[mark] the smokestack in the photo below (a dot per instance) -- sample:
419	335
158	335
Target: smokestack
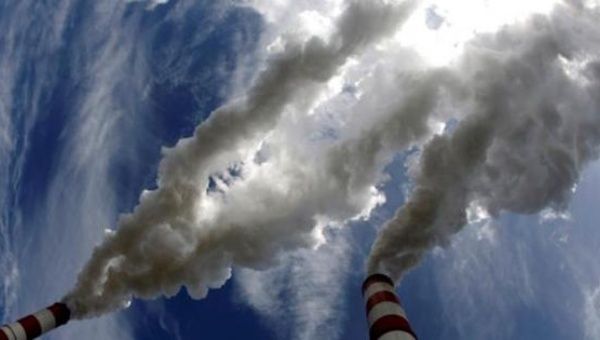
32	326
386	317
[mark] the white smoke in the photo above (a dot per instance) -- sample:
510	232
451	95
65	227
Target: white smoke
262	176
531	123
203	219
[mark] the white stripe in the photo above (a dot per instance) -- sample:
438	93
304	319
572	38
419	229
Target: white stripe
396	335
8	333
378	287
385	308
46	320
19	331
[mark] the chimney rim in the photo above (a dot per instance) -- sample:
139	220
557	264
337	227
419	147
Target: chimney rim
377	278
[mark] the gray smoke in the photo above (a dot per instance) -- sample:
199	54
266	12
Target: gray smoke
523	113
530	122
181	233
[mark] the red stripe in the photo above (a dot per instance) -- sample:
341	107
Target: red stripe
379	297
3	336
376	278
61	313
388	324
31	325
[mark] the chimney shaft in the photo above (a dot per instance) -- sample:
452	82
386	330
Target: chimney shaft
386	317
32	326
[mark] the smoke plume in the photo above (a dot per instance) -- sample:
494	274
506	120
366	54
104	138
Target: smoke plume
530	122
521	108
186	233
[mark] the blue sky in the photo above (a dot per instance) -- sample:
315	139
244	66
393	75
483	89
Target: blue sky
90	92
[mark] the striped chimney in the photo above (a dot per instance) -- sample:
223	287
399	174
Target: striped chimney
387	319
32	326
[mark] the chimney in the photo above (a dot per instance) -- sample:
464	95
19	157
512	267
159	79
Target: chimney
386	317
32	326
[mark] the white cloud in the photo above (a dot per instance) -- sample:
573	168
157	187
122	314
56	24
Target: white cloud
527	267
458	22
151	3
112	327
303	297
582	248
52	242
8	265
592	313
285	16
552	215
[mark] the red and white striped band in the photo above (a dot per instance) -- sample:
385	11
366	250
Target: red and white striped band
387	319
36	324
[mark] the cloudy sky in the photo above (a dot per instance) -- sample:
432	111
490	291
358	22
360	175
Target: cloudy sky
328	109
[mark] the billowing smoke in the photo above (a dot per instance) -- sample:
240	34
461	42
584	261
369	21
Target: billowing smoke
257	180
530	121
187	232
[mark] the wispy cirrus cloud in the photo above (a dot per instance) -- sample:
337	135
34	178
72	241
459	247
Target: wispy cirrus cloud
304	297
151	3
592	313
515	266
53	231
